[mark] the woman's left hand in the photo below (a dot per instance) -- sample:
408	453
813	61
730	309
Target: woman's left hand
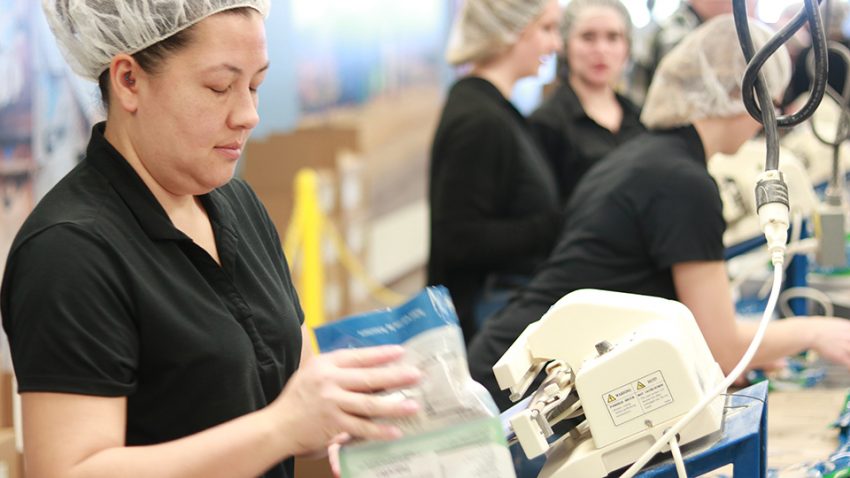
333	452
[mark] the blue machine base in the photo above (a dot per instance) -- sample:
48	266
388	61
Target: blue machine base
743	440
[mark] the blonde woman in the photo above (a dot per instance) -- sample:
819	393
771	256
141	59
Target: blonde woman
494	202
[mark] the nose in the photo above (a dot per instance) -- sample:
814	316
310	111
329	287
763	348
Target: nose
600	46
244	114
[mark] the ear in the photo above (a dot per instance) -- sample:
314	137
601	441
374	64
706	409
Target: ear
124	75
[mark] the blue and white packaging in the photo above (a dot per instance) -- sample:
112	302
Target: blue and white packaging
457	427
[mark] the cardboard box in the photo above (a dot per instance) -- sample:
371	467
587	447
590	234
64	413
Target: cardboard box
11	462
6	397
270	165
373	160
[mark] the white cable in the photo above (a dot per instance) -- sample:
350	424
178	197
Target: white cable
803	246
720	388
677	458
806	293
795	246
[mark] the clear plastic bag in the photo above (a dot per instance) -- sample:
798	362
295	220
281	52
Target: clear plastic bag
457	425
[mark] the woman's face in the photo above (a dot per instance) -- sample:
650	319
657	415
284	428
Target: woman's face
540	39
196	113
597	47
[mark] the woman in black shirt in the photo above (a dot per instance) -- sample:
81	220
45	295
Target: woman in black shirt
585	119
494	204
153	324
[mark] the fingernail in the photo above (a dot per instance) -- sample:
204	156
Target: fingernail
394	432
410	406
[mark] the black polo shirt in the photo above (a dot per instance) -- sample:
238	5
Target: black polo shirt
102	295
648	205
494	202
572	141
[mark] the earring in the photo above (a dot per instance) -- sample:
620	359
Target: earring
128	79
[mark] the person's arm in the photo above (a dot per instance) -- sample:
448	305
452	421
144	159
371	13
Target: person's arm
704	288
83	436
307	351
74	435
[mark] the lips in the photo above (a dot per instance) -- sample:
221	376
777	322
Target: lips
230	150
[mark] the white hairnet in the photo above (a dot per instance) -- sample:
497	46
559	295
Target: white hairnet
701	77
486	27
91	32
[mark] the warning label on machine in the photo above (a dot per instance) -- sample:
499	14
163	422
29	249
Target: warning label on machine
637	398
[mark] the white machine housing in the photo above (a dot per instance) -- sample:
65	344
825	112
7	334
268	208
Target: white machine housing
651	368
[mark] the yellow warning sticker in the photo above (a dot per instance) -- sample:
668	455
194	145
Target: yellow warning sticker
640	386
611	398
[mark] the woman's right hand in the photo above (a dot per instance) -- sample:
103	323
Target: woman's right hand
832	338
332	393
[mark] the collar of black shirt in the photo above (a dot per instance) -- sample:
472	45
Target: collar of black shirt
572	105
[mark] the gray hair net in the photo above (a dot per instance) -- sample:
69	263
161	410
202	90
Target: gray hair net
701	77
484	28
91	32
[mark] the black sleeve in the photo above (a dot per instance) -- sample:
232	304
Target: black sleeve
685	220
69	317
471	190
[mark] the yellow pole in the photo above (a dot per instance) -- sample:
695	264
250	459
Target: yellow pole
312	279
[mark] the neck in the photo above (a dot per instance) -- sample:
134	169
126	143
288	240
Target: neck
726	135
713	135
499	74
587	92
174	204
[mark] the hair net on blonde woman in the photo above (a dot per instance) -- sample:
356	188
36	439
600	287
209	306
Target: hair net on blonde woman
91	32
701	77
484	28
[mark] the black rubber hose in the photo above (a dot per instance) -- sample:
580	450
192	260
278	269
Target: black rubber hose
753	84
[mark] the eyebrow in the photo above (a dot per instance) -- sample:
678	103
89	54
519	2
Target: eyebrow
236	69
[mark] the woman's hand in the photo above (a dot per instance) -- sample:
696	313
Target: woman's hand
831	338
332	394
333	453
